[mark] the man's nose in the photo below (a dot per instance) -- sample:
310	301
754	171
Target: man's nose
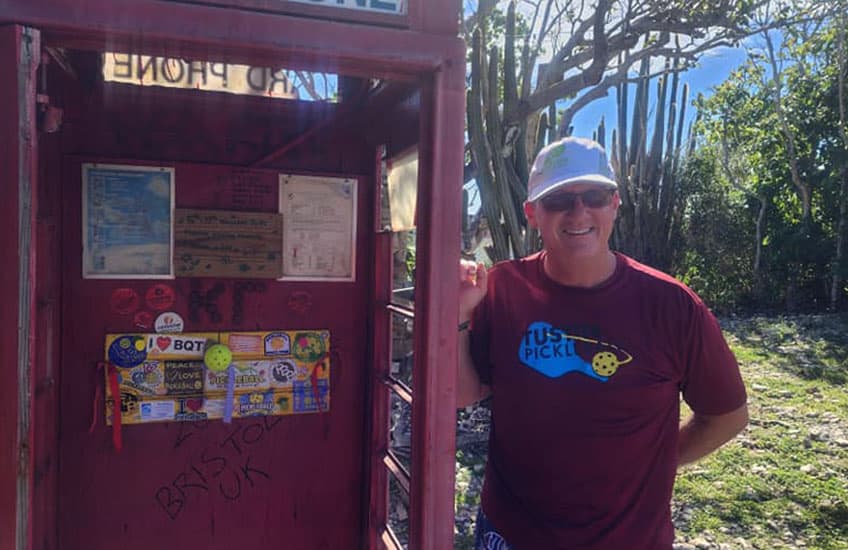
578	207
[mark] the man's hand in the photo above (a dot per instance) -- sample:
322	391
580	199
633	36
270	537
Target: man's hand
472	287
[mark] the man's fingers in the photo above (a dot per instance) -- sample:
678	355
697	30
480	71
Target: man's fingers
463	270
467	272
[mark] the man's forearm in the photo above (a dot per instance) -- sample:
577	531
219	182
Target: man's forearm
702	434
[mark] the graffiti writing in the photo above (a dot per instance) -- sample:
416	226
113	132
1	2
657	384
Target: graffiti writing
239	290
224	470
205	301
188	429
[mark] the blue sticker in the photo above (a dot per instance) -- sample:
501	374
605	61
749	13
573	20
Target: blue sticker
304	397
256	403
128	351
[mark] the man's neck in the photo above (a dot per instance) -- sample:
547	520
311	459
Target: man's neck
584	273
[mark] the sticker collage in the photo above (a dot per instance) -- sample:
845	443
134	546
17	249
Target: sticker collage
161	377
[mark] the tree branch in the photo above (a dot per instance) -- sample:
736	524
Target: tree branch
791	149
484	10
309	85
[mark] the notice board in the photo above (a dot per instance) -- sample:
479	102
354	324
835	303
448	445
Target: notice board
217	243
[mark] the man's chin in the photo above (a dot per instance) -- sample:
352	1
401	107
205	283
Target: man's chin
585	253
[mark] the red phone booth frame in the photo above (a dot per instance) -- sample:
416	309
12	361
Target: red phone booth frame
420	48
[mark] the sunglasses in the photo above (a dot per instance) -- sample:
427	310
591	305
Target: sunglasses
565	202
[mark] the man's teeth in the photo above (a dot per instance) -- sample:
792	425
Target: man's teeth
578	231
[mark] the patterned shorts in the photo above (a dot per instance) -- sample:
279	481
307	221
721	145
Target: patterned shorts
485	536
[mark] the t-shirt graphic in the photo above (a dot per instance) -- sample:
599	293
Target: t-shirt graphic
552	352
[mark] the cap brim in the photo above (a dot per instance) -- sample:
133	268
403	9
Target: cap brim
564	184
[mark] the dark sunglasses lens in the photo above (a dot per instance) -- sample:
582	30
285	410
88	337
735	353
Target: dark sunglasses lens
595	198
563	202
559	202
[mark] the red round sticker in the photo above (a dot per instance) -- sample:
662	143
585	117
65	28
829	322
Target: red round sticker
160	297
124	301
143	320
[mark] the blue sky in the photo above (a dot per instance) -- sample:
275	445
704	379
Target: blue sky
713	69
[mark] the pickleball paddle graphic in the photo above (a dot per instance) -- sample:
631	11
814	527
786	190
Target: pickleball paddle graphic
551	352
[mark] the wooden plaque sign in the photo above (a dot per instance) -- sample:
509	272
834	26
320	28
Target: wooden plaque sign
215	243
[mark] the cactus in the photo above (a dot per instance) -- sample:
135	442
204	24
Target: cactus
646	174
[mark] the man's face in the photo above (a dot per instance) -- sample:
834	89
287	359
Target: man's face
570	228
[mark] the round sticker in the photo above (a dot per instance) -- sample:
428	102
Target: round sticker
159	297
169	322
124	301
308	346
128	351
284	371
143	320
218	357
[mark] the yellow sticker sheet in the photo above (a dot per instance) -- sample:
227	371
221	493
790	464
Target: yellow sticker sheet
162	378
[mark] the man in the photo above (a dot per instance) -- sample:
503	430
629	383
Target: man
586	353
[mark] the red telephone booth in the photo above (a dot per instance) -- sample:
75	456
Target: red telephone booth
163	184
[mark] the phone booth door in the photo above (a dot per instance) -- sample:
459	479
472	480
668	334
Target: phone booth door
288	470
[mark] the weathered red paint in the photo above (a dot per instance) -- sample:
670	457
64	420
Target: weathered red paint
376	498
47	346
19	49
433	416
149	27
328	483
318	11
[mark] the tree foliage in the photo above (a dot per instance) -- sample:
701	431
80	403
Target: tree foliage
535	63
776	128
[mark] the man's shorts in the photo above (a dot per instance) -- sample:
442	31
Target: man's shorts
485	536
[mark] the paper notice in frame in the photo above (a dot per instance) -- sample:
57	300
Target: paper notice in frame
403	191
127	223
319	227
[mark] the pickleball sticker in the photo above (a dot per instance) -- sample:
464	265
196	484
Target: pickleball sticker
128	351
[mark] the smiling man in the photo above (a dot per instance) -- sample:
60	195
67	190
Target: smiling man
586	354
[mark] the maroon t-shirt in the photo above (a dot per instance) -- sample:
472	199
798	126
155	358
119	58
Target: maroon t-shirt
586	388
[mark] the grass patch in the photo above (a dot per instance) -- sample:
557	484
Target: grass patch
783	483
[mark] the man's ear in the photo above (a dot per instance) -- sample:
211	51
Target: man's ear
616	201
530	213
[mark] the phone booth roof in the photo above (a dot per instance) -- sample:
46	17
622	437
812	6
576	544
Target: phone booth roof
297	34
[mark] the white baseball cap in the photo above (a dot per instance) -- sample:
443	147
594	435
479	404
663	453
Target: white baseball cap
566	162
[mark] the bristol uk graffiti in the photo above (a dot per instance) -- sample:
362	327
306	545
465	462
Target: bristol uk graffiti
225	470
